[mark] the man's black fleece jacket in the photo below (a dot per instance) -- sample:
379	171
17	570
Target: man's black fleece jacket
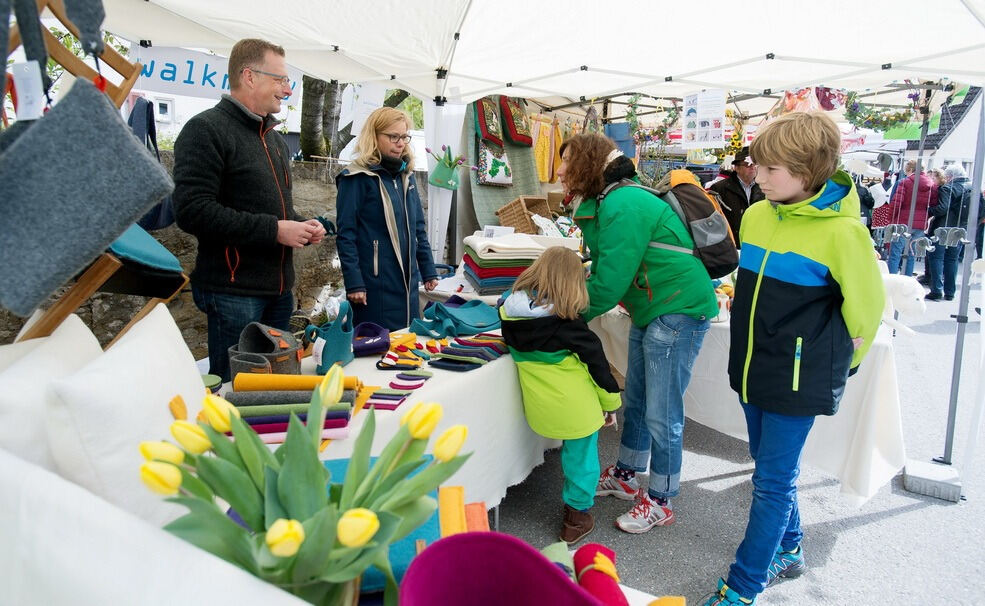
232	178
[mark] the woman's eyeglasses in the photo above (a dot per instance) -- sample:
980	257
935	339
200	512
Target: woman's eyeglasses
395	138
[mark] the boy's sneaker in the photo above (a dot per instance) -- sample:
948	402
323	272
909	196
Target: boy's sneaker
786	564
725	596
610	485
644	515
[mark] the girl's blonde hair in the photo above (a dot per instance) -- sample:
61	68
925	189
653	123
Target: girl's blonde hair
367	151
556	277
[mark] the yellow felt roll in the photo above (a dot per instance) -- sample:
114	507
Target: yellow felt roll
669	600
451	510
274	382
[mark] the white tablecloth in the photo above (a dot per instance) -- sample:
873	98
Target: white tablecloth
861	445
487	400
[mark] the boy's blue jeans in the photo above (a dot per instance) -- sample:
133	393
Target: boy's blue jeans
580	463
775	443
660	360
896	253
228	315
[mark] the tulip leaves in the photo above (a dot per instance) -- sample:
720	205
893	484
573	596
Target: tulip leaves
301	481
208	528
235	486
315	553
359	461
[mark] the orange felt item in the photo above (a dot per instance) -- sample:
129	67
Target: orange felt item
476	517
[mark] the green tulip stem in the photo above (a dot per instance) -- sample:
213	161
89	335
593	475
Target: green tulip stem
396	459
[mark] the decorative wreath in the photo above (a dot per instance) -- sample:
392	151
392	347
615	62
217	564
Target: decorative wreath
861	115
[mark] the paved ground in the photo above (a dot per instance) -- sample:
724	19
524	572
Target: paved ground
899	548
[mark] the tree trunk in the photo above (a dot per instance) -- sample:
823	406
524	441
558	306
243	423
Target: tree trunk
330	117
345	135
312	108
396	98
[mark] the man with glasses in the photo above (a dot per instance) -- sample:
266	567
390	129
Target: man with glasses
738	191
232	177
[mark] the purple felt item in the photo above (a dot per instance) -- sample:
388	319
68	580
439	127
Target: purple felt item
387	396
384	404
396	385
331	414
406	377
369	339
277	427
487	568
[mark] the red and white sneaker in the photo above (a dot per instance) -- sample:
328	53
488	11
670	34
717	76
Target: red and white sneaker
610	485
644	515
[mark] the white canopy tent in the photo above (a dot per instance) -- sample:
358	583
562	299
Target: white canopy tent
577	50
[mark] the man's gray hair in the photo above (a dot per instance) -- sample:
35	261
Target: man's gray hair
954	171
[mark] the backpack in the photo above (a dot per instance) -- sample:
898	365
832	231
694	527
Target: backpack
701	215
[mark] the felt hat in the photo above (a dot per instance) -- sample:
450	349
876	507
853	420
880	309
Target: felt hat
742	157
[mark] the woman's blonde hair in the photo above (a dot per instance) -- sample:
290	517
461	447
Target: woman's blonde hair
556	277
367	151
806	144
938	176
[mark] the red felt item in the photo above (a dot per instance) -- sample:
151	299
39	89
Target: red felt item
515	121
492	272
277	427
596	582
487	121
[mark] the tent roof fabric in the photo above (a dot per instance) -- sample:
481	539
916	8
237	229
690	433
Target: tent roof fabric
573	49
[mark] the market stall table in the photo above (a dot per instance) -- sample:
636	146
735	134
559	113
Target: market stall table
861	445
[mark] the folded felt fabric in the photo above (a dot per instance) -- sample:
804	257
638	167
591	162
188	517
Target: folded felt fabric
330	414
511	246
281	382
469	352
277	427
493	272
336	433
255	398
282	409
72	183
496	262
384	404
455	365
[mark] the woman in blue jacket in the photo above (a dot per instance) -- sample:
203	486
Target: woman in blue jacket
382	238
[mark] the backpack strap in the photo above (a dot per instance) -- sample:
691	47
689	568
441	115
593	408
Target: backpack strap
668	197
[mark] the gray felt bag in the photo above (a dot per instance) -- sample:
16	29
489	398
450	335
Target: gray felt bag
262	349
72	183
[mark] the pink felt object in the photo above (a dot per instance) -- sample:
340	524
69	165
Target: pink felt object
486	569
597	583
336	433
278	427
384	404
406	385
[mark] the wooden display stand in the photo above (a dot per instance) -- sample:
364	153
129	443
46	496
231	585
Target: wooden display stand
107	264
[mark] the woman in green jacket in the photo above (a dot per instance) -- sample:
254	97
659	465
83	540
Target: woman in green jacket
670	299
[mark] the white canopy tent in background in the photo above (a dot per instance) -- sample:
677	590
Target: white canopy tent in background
456	51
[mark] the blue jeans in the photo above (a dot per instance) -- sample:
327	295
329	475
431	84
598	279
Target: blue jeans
943	269
896	253
775	443
228	315
660	360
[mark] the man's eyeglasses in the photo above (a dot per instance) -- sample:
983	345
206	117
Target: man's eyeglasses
394	138
283	80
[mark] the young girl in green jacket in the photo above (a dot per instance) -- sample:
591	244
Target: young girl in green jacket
568	390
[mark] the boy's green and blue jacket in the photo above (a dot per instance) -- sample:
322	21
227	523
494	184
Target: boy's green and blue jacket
807	284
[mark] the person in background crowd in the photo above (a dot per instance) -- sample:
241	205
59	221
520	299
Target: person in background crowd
808	301
670	300
951	210
900	213
739	191
865	201
382	235
232	177
568	389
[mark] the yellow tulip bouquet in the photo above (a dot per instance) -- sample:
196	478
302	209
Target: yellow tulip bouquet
300	531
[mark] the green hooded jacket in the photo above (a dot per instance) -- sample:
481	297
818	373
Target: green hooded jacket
648	281
807	284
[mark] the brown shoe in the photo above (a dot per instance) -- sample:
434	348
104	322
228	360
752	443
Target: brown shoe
577	525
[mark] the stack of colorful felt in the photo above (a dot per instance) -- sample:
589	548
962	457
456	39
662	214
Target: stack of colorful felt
401	387
469	353
491	265
267	401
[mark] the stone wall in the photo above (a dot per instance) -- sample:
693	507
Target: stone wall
314	195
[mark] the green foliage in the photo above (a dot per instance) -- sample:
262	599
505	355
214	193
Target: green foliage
414	108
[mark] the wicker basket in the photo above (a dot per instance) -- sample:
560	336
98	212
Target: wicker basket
518	212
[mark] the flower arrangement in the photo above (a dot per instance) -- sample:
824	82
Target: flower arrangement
861	115
661	133
300	531
444	174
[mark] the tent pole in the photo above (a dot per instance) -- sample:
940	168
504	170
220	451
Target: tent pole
925	110
969	257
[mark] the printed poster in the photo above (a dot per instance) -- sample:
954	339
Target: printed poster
704	119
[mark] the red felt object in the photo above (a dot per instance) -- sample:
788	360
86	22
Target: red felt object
492	272
487	121
515	121
596	582
277	427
